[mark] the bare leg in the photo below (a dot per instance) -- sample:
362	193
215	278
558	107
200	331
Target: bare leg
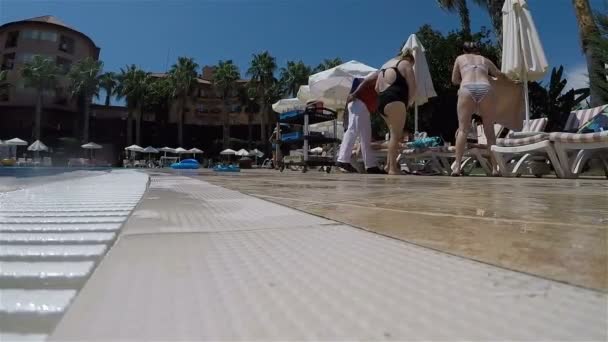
395	118
466	107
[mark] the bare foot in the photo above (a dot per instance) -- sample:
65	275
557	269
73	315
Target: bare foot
394	172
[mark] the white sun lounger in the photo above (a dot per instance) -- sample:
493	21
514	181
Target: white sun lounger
575	149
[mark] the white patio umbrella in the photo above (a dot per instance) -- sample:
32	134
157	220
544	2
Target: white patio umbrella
180	151
134	148
242	153
287	105
256	152
334	84
167	149
424	83
15	142
523	56
194	151
91	146
37	146
228	152
150	149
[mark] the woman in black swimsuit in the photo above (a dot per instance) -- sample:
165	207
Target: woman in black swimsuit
396	87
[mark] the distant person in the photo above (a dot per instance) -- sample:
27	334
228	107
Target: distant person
472	72
396	87
360	125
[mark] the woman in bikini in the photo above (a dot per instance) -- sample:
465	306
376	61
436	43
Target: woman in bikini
396	88
472	72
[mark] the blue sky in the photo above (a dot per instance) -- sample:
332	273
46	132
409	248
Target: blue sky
151	32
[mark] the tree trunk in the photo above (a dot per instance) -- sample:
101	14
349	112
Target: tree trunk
180	122
86	118
138	115
107	100
38	117
226	126
130	127
263	136
587	30
465	20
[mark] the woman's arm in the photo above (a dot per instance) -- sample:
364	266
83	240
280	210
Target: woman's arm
410	77
367	80
456	77
493	70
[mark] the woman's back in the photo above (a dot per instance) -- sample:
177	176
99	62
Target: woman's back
394	70
475	69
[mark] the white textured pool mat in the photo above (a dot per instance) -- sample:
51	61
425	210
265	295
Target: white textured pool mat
306	279
51	237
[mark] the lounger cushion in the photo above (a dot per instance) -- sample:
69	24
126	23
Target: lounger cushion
579	137
522	141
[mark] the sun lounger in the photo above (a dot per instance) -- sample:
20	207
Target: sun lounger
575	149
542	147
535	147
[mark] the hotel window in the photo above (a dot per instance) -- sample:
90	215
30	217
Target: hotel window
64	64
49	36
40	35
29	57
8	61
66	44
11	39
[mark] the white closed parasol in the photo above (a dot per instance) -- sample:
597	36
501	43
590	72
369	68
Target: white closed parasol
523	56
424	83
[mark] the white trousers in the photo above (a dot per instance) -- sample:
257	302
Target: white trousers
359	124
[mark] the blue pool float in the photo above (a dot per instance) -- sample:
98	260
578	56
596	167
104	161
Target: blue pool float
186	164
226	168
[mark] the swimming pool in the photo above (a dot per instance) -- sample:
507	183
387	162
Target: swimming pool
27	171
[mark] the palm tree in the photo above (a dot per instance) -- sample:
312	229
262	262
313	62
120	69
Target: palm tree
599	79
184	77
494	9
84	78
588	31
134	83
109	83
41	74
294	75
261	71
328	64
461	7
247	100
224	79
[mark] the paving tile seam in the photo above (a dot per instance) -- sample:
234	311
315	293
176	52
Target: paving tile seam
470	217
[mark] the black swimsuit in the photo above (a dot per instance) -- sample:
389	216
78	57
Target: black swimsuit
396	92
